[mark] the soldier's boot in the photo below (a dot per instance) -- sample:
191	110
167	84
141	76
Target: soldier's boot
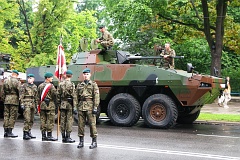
30	134
94	143
68	139
63	137
26	136
81	142
50	137
44	138
6	132
10	134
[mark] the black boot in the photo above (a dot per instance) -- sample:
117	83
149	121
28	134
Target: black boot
30	134
44	138
10	134
50	137
25	135
68	139
81	142
6	132
94	143
63	137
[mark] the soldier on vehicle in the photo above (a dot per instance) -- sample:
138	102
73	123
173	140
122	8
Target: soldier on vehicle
28	101
106	40
10	96
47	95
168	53
66	99
88	101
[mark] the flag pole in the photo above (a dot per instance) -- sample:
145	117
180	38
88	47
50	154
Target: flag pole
58	119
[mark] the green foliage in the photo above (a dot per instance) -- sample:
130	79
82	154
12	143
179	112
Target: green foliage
219	117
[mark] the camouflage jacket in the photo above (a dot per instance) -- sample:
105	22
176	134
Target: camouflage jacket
28	93
11	87
87	95
66	89
168	62
51	96
107	38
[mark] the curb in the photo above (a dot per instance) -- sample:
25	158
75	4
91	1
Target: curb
217	123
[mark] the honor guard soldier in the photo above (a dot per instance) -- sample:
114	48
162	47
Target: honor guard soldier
88	101
10	95
66	99
47	96
28	101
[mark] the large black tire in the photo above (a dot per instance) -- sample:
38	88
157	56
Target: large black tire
188	119
159	111
124	110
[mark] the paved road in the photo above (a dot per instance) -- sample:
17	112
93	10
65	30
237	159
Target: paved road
183	142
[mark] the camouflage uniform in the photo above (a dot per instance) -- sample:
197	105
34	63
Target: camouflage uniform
29	99
47	112
10	95
106	40
66	97
88	101
168	62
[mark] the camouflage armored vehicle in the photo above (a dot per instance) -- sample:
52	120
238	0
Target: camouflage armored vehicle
128	91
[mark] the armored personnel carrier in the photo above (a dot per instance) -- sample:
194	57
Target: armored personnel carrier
129	91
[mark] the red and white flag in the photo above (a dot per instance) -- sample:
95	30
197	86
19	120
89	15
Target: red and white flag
61	67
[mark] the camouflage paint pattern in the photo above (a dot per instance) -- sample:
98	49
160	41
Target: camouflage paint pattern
188	90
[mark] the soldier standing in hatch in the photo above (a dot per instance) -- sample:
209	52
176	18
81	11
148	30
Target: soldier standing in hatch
47	96
66	99
88	101
29	101
168	53
10	96
106	40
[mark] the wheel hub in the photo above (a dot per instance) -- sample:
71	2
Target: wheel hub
122	111
158	112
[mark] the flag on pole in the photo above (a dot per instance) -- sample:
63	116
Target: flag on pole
61	67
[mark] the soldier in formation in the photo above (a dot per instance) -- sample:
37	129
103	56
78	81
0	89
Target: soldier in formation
66	98
28	101
106	40
10	95
88	101
168	53
47	95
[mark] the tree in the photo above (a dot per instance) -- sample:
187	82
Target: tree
177	18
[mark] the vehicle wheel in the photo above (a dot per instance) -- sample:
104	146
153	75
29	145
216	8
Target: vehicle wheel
188	119
124	110
159	111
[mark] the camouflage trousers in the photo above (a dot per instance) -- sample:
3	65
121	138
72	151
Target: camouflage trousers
66	120
47	120
28	114
91	118
10	115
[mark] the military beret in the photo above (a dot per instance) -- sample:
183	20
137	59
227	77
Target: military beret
48	75
100	27
15	71
86	70
69	72
30	75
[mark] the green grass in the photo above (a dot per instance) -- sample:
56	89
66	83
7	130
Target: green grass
219	117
